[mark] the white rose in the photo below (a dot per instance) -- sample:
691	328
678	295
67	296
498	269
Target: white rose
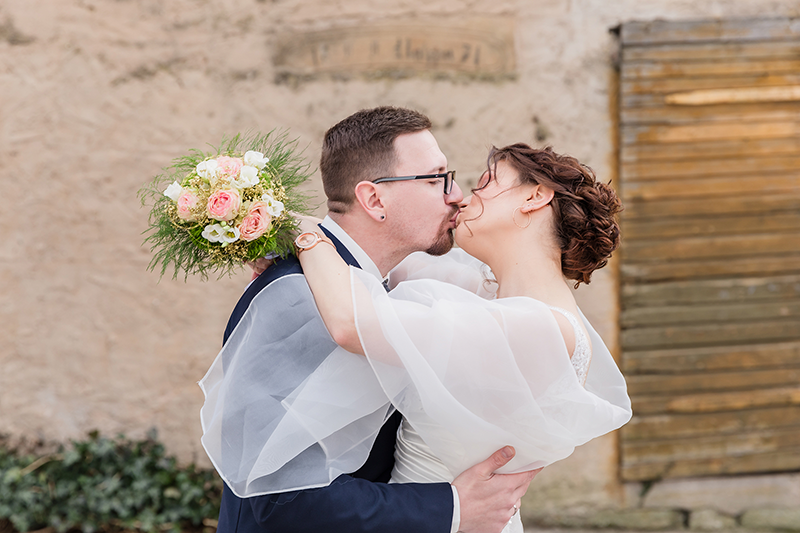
173	191
248	177
274	207
207	169
255	159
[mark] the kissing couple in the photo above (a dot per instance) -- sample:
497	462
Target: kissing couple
379	380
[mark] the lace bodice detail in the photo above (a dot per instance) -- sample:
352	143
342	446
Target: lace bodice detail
582	355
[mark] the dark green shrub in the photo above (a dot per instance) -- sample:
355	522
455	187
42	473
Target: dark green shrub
101	484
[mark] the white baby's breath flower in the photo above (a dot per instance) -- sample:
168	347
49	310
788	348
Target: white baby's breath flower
255	159
173	191
248	177
274	207
207	169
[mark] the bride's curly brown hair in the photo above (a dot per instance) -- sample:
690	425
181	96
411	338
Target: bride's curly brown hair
585	209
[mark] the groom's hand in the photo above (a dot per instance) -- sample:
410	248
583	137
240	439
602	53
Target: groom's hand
487	499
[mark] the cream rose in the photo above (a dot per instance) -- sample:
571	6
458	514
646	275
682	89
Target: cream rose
256	223
173	191
255	159
224	204
207	169
248	177
274	207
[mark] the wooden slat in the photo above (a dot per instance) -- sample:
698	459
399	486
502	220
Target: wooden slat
639	452
712	247
715	131
733	205
740	357
699	314
710	268
664	86
677	115
785	461
710	226
749	29
710	149
710	187
703	52
768	93
757	289
707	424
708	68
712	402
760	165
710	334
692	382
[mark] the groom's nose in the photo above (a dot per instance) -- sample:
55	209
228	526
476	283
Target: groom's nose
456	196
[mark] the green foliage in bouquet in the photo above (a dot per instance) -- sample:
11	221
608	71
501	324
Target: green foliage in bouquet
212	212
101	484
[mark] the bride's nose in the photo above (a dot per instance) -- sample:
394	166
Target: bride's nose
465	202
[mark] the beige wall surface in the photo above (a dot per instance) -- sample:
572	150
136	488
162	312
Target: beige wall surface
96	96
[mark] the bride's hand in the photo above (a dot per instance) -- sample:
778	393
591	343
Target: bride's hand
306	223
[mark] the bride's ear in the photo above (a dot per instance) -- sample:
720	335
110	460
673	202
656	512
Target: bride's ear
369	197
540	196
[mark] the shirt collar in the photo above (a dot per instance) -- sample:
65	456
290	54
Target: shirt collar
367	264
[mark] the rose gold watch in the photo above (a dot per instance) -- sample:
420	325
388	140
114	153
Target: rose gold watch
308	240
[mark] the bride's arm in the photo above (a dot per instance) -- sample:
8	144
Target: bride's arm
329	278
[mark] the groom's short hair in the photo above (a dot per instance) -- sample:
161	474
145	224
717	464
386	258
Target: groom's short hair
361	148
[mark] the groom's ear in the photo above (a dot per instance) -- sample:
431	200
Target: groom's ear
369	197
540	195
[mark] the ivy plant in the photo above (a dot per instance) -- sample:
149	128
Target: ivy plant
102	484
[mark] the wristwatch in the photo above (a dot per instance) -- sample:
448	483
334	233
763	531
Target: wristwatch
308	240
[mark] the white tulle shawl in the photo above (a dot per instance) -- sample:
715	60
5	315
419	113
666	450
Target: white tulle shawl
470	374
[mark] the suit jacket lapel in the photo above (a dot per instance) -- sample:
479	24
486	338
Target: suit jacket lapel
344	252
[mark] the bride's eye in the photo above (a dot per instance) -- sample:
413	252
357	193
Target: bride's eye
483	181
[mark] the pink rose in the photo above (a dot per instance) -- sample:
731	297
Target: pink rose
256	223
224	205
229	166
186	202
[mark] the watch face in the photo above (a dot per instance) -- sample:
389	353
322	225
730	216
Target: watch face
306	239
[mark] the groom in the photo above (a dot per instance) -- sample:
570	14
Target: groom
374	224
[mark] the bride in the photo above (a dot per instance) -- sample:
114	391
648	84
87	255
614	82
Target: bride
475	362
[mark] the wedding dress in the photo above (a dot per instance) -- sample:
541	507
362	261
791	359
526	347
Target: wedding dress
415	462
470	374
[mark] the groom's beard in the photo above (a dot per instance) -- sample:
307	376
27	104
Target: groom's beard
446	239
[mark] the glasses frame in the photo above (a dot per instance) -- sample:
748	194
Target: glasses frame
449	179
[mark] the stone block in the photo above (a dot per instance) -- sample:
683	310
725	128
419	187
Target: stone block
731	495
782	519
624	519
711	520
639	519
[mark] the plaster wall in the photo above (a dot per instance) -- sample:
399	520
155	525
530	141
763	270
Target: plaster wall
96	96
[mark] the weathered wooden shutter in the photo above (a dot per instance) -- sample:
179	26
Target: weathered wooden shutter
710	261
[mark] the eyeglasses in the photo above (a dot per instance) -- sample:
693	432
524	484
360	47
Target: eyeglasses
449	178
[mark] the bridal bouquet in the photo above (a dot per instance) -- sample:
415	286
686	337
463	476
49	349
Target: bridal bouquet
215	211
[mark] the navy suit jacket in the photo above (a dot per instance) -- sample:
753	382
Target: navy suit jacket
361	502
